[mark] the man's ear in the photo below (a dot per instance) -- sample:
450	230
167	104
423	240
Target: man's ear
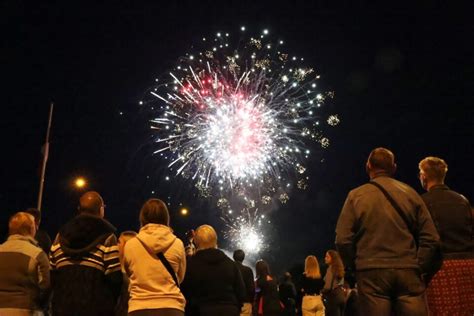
367	167
394	169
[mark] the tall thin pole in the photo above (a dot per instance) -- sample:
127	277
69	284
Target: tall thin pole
45	157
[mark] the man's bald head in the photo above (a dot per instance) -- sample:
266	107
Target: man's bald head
205	237
91	203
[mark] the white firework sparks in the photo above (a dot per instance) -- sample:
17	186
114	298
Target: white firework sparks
240	119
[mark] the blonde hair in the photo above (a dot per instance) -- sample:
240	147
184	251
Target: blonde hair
205	237
311	268
434	168
21	223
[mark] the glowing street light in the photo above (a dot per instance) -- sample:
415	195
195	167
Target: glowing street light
80	182
184	211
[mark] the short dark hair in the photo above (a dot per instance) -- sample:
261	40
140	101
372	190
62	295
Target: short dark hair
382	159
35	212
154	211
239	255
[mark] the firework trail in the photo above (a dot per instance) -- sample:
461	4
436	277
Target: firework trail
239	120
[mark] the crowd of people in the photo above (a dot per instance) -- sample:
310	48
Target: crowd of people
398	253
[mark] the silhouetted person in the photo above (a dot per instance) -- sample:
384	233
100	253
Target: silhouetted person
44	241
155	262
451	291
213	285
267	297
247	276
287	292
85	265
24	270
387	248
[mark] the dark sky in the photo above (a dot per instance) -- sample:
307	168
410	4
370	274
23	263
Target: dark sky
402	77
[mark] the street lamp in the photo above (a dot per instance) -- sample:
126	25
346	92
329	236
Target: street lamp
80	183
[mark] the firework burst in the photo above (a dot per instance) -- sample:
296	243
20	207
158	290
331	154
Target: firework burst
240	119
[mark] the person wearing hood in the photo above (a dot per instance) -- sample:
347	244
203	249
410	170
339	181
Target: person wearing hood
213	284
155	262
85	265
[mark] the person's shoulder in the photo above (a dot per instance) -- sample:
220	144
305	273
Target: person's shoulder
247	268
361	189
178	243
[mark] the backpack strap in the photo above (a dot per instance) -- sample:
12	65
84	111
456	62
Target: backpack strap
163	260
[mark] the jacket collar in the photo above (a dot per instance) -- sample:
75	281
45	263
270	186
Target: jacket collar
439	187
29	239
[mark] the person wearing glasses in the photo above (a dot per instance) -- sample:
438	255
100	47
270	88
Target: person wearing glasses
85	265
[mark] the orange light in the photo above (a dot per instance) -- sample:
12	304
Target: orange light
80	183
184	211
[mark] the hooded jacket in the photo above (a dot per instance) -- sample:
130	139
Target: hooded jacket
85	267
213	278
151	285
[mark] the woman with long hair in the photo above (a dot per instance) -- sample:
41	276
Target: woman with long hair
312	284
155	262
333	292
266	289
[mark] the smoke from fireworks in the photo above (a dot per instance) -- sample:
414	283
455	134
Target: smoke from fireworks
240	120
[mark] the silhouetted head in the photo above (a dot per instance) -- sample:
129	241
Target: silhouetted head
239	255
154	211
91	203
262	269
287	277
36	214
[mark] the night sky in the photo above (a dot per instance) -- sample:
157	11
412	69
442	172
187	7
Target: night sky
402	77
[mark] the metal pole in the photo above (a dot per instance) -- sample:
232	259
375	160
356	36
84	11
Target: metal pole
45	158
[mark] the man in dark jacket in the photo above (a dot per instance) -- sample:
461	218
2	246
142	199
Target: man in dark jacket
451	292
213	285
386	251
85	265
249	282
